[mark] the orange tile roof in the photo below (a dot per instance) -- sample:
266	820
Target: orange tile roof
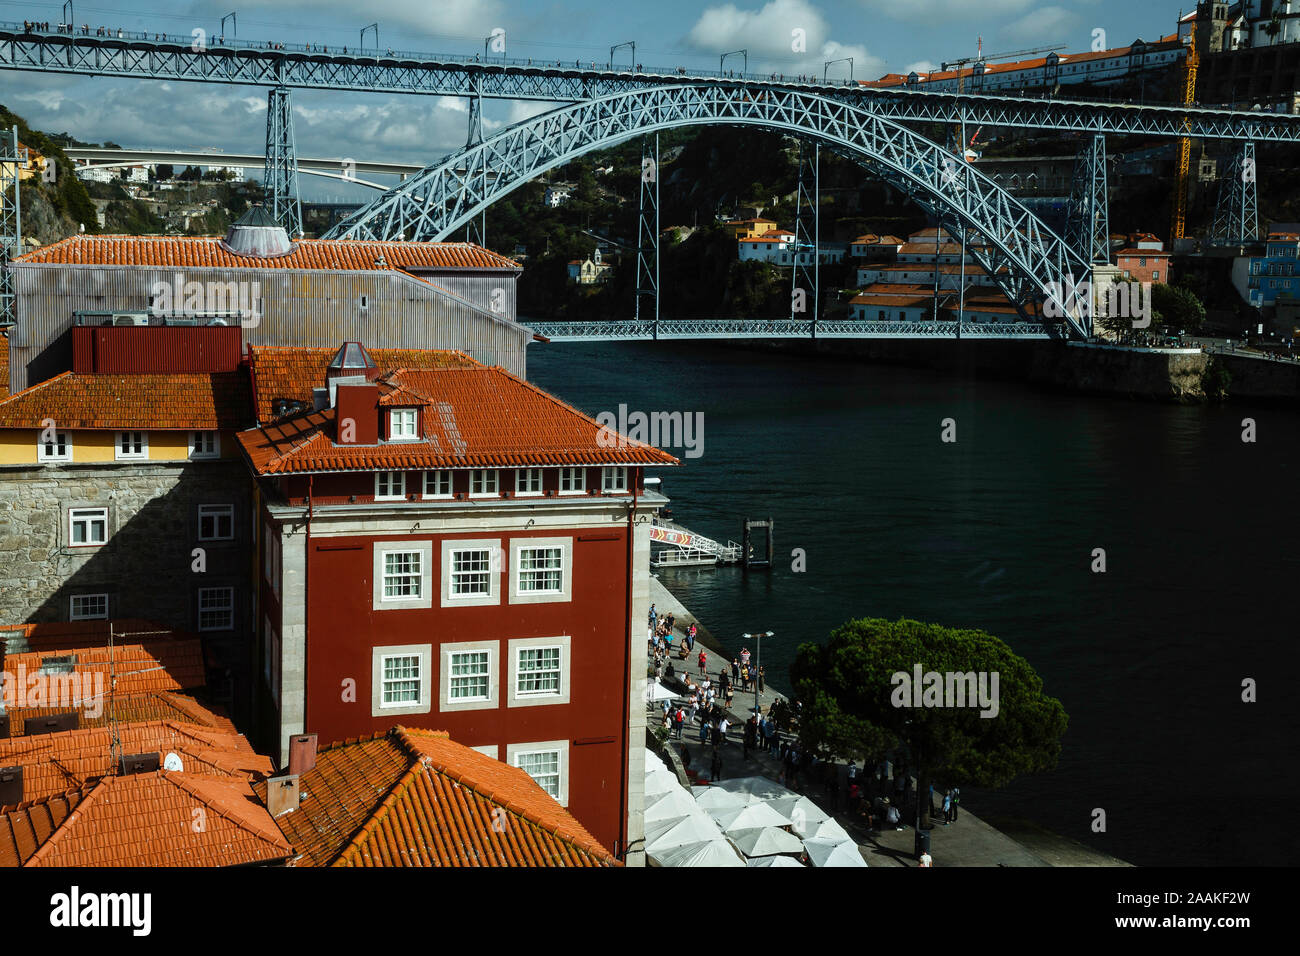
54	763
165	819
475	418
23	828
128	709
415	798
175	400
132	666
209	252
928	249
901	301
281	372
766	237
1147	253
897	288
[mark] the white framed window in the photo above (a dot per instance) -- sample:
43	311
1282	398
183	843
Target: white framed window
528	481
205	444
58	448
404	575
216	522
401	679
390	485
129	445
547	762
437	484
541	570
88	607
613	479
216	609
573	481
538	671
87	527
469	677
403	424
471	572
484	481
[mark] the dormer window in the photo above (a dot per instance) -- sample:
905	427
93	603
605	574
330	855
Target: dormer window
390	485
403	424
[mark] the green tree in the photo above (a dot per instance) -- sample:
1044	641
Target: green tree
1173	307
851	703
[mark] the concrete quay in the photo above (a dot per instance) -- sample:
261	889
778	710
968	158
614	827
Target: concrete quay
968	841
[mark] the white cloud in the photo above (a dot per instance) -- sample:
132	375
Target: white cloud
784	36
920	66
468	18
1044	25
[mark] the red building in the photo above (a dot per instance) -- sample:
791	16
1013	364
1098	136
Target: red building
1143	259
444	545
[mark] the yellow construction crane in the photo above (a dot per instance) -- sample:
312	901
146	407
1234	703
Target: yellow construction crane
1181	182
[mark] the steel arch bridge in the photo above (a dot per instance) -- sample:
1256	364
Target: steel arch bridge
1025	257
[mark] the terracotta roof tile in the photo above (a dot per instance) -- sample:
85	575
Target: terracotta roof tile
25	827
165	819
209	252
55	763
130	708
478	417
291	373
175	400
415	798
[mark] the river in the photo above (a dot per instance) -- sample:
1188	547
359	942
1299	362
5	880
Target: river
997	531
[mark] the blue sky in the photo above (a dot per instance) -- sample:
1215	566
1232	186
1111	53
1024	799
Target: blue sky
881	35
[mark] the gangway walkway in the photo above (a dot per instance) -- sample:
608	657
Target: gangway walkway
689	548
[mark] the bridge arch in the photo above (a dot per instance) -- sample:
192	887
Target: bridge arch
1026	258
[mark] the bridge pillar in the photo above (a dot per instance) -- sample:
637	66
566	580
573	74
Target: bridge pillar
11	219
1236	216
281	177
804	278
1088	225
476	230
647	237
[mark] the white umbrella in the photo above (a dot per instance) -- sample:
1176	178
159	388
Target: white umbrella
709	853
823	853
802	812
831	830
760	787
655	692
660	783
716	797
666	834
782	861
748	817
765	841
672	805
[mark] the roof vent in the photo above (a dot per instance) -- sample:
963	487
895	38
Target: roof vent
256	234
11	786
282	794
51	724
302	753
138	763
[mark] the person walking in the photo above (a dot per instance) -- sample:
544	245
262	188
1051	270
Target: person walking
956	799
947	808
704	663
760	678
735	669
715	767
723	726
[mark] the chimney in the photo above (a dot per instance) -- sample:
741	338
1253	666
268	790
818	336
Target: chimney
11	786
282	795
302	753
356	413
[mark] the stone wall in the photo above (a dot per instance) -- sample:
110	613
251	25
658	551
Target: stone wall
147	566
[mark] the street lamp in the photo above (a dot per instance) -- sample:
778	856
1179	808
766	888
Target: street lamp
758	654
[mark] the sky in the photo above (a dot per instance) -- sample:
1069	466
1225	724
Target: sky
880	35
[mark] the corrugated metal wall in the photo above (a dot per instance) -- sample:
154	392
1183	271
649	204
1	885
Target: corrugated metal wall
311	308
156	349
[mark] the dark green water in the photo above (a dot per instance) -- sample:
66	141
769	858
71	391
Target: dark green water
996	531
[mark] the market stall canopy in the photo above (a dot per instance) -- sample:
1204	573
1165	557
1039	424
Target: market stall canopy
823	853
782	861
766	841
709	853
748	817
673	805
666	834
801	812
717	798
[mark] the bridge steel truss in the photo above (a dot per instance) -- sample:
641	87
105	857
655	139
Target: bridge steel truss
647	229
805	278
723	328
1236	215
1025	257
1088	217
281	174
139	57
12	160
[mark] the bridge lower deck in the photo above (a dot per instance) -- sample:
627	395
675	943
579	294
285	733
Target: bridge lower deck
649	330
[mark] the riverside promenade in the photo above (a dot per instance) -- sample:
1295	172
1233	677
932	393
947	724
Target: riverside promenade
968	841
